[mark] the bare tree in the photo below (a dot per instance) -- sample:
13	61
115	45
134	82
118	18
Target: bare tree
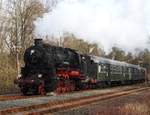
21	15
20	22
80	45
18	26
2	27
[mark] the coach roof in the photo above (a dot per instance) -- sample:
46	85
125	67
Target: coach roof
113	62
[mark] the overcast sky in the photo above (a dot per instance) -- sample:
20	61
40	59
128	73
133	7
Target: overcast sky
123	23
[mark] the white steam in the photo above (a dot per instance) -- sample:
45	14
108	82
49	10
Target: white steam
108	22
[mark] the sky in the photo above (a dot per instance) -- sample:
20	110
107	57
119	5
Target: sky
121	23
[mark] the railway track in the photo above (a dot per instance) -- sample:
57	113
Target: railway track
57	105
15	97
19	96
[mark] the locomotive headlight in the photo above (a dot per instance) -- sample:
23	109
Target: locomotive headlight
39	75
32	51
19	76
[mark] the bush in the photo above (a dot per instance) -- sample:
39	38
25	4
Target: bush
135	109
7	75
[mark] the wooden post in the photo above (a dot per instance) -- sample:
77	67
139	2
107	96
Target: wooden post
17	43
17	61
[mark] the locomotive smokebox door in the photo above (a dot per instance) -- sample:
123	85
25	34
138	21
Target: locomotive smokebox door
38	41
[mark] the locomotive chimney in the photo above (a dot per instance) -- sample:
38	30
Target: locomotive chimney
38	41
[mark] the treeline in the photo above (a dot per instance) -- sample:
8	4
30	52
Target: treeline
79	44
139	57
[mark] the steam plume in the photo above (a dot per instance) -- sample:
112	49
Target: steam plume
123	23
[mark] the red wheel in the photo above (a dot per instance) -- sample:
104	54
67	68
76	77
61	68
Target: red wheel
68	89
64	90
59	87
58	90
72	86
41	90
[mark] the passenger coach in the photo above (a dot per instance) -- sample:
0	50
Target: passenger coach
112	71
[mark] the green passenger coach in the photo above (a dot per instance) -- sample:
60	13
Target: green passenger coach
114	72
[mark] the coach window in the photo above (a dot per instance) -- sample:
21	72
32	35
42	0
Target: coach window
99	68
102	68
136	71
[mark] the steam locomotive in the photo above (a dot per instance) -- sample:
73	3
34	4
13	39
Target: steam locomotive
51	68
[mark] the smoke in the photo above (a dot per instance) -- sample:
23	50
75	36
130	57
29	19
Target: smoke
121	23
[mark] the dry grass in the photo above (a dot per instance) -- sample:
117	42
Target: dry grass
127	107
135	109
7	75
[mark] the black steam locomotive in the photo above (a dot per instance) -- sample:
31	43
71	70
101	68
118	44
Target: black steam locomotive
50	68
